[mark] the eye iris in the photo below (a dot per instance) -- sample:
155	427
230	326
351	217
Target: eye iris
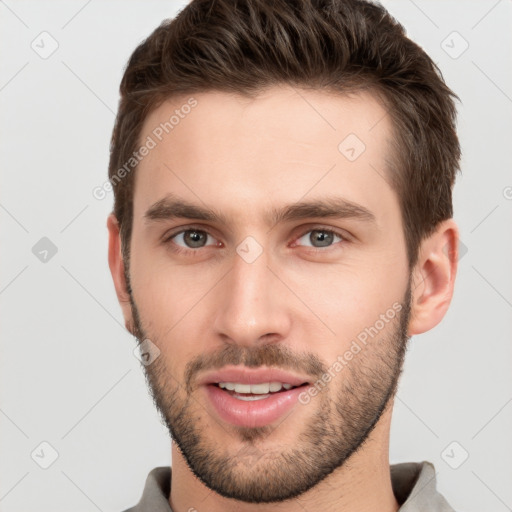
325	238
194	238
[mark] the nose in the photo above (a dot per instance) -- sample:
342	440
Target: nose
252	304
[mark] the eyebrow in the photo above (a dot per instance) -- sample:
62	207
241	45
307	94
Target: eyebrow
171	207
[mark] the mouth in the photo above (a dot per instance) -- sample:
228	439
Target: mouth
252	397
252	408
252	392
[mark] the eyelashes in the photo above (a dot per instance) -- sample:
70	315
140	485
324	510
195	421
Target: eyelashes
332	234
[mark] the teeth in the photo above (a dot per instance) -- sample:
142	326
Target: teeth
255	389
249	398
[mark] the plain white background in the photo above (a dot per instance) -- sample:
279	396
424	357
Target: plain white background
68	375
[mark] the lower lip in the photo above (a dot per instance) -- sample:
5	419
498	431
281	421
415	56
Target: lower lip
254	413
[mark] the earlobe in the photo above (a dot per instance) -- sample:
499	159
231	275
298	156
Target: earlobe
116	264
434	278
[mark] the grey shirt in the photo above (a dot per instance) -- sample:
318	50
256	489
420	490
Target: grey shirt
414	486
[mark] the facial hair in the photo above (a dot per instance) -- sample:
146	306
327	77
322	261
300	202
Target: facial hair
344	414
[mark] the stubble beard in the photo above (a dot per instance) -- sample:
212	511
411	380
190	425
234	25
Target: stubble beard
339	424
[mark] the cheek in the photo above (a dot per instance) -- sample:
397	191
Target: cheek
347	298
165	289
172	301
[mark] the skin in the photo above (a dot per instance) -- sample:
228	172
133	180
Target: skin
291	307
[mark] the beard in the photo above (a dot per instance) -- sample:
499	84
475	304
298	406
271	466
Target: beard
344	414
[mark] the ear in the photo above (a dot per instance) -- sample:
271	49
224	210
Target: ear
433	277
116	264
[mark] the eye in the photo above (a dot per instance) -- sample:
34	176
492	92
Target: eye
191	239
319	238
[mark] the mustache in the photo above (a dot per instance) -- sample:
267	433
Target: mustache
271	355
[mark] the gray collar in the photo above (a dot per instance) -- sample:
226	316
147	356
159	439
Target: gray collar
414	486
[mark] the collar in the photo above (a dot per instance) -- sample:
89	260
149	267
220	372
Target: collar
413	483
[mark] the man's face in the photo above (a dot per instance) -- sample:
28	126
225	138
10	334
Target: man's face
248	289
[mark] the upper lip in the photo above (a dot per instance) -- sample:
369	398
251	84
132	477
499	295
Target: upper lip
245	375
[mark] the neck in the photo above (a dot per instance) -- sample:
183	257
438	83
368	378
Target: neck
362	484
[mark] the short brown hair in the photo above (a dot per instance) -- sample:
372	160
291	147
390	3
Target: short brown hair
246	46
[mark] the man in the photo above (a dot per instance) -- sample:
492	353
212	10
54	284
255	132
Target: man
282	226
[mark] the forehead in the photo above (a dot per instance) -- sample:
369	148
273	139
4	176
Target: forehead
280	146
